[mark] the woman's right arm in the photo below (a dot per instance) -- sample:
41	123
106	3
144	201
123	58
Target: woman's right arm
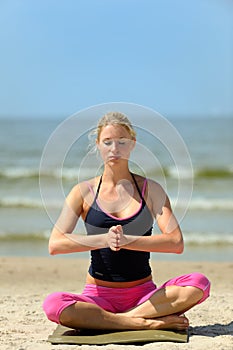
62	241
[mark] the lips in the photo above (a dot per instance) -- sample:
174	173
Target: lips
113	157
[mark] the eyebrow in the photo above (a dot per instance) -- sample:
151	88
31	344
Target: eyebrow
112	138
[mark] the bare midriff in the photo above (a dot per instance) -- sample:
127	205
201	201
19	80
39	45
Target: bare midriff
109	284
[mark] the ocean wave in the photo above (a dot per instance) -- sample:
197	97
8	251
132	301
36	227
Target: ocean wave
199	173
179	173
219	173
207	204
26	202
197	239
69	174
19	173
208	239
22	236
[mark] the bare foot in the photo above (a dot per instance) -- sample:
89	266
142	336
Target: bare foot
174	322
170	322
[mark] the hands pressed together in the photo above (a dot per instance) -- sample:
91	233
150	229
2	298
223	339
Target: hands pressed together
116	238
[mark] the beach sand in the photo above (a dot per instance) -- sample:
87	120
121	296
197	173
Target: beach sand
25	282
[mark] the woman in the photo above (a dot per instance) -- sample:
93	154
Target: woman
118	209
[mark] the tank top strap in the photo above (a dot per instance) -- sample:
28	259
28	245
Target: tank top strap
138	189
95	195
144	188
98	188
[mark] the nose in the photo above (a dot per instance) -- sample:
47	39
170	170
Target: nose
114	146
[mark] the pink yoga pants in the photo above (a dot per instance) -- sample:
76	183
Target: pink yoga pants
119	299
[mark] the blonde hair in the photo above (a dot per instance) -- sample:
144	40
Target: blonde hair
110	118
114	118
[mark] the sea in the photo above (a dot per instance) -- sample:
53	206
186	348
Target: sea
41	159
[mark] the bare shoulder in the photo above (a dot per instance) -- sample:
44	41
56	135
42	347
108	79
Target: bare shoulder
152	186
139	179
81	195
84	188
89	185
157	196
155	187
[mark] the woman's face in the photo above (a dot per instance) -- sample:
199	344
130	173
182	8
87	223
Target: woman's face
115	144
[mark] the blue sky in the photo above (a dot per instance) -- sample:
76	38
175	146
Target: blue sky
174	56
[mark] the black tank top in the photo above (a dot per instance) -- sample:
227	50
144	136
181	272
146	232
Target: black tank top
123	265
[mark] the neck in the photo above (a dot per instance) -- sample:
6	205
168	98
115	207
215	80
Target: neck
114	175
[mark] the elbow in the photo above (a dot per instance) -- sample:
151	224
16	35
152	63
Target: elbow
52	248
179	246
55	243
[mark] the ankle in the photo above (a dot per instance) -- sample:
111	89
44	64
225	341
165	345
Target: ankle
147	323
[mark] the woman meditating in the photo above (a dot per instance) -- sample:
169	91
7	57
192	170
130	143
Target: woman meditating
118	209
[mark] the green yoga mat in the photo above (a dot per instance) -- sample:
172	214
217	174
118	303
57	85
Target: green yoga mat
64	335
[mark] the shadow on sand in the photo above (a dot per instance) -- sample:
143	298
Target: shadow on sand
214	330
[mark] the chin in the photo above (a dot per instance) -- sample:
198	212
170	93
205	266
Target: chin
114	160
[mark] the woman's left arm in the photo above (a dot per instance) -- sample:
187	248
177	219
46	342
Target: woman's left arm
171	239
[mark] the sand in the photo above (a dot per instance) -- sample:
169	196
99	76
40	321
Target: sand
24	283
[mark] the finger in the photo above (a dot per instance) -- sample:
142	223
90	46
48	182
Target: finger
114	247
119	228
113	231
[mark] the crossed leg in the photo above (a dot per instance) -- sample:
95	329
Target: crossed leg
158	312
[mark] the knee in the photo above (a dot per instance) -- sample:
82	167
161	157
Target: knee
202	286
66	317
51	306
185	295
201	279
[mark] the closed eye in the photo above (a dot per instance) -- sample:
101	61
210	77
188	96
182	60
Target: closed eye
107	142
122	141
